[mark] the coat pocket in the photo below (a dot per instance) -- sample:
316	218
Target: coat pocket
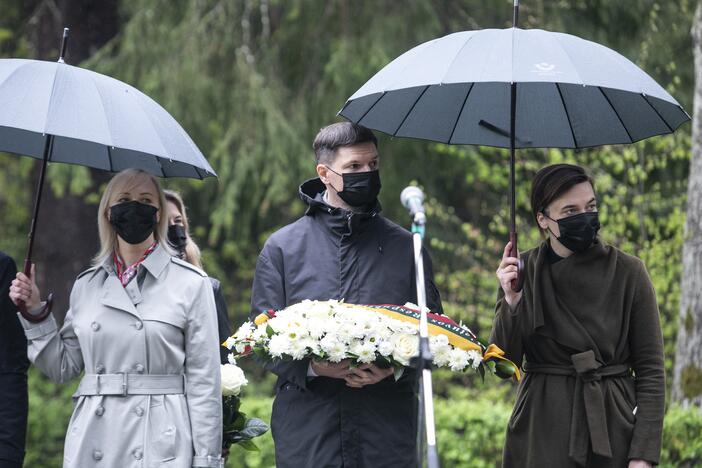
162	431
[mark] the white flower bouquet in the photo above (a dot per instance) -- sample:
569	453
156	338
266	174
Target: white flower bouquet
237	427
385	335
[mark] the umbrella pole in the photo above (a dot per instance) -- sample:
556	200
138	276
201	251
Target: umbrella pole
514	252
48	146
517	283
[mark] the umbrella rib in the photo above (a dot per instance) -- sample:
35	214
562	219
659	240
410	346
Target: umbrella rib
109	157
410	110
370	108
565	109
658	113
51	98
631	140
455	57
460	112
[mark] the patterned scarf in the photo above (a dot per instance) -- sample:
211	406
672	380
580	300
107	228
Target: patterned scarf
126	273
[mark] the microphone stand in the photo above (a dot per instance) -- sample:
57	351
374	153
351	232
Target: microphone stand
424	360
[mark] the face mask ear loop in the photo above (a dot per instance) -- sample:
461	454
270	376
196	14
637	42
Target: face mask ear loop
332	185
543	212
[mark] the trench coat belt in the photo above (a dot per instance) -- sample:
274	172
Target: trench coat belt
131	384
588	423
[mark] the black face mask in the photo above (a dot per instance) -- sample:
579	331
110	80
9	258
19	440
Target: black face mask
133	221
177	237
360	188
579	231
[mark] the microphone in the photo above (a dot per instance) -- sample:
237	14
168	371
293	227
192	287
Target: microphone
412	198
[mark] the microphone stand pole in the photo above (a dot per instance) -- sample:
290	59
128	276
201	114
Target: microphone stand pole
424	359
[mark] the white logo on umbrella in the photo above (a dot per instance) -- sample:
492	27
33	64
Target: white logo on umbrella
545	68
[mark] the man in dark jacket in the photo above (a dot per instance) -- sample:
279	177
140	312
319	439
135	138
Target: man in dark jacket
326	414
13	373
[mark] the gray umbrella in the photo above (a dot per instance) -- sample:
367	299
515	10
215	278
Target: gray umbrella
59	113
548	89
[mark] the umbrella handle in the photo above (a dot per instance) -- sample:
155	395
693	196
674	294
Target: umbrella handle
518	283
22	307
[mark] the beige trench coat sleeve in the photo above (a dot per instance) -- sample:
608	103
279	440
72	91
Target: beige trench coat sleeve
203	383
55	352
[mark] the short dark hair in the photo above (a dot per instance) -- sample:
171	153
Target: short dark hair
553	181
339	134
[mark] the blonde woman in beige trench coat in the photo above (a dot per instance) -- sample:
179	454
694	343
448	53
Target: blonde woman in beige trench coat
146	338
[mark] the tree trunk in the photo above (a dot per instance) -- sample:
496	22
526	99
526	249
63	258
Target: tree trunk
67	236
687	380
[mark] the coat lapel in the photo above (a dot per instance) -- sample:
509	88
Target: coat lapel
114	295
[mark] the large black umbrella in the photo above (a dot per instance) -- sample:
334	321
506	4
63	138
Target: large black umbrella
515	88
59	113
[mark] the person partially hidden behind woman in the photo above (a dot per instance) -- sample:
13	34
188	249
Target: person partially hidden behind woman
187	249
142	325
587	326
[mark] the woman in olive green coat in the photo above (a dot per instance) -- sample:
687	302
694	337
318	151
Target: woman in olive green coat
586	329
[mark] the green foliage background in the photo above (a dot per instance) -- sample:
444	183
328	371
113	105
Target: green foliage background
253	80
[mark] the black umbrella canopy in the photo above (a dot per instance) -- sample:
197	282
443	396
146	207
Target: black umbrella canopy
514	88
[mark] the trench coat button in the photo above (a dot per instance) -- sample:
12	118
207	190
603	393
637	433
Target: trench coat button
139	411
138	454
99	369
97	455
139	368
138	325
100	410
95	326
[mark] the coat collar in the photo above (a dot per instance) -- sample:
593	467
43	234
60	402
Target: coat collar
117	296
339	220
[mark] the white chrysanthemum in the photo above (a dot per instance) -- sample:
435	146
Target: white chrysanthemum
441	355
385	347
459	360
405	346
438	340
316	328
229	343
365	351
337	352
279	345
240	347
233	379
298	349
230	358
244	331
475	358
260	334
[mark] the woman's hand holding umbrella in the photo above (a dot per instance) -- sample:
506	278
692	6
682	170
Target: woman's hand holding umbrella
24	289
507	273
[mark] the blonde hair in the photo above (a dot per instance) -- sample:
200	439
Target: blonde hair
121	182
192	251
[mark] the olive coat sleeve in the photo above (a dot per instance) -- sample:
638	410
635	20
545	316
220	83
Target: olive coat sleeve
646	345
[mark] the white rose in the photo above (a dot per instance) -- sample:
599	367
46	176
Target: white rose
405	346
233	379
